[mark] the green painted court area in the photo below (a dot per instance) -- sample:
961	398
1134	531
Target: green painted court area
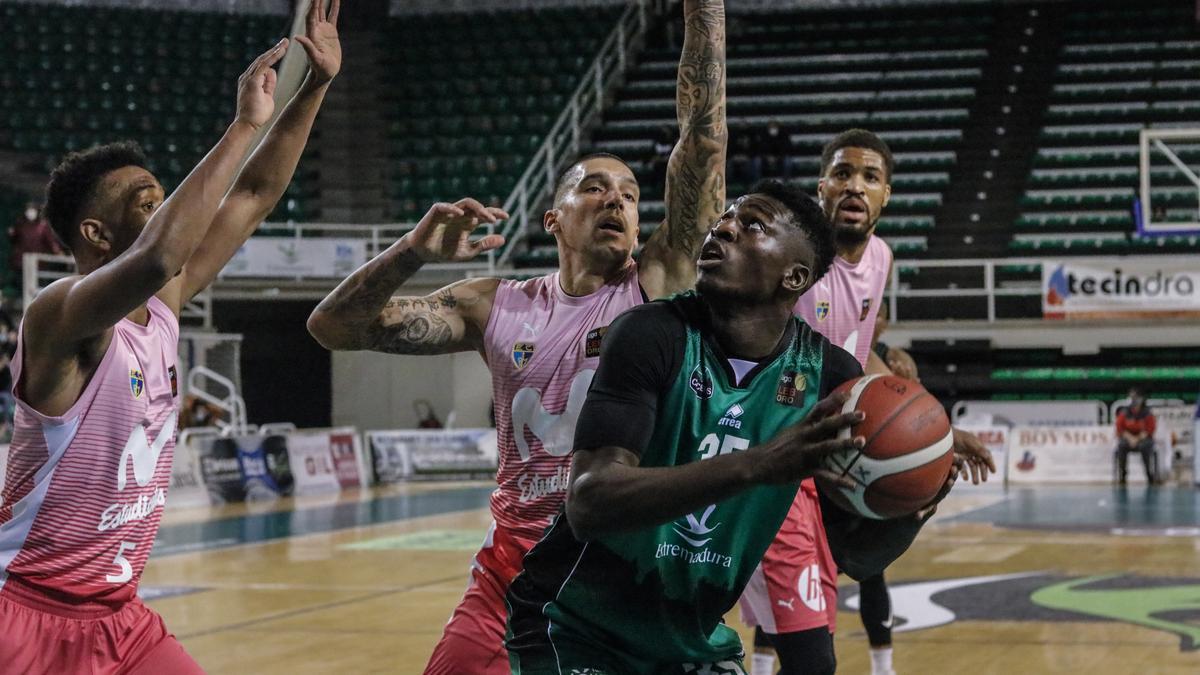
430	540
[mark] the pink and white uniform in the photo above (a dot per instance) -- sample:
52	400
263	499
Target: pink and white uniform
542	348
82	500
783	595
843	304
84	491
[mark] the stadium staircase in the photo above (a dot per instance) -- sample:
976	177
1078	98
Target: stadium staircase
910	75
999	137
351	136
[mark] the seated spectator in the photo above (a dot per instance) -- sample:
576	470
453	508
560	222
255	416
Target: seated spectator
198	413
31	233
744	166
774	152
1135	433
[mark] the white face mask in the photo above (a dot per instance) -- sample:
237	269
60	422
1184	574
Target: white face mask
30	214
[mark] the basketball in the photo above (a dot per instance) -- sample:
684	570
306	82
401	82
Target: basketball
907	455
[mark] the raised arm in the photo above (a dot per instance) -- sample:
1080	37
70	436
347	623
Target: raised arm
362	314
81	307
695	189
266	175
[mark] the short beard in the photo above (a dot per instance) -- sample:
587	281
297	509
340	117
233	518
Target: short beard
845	237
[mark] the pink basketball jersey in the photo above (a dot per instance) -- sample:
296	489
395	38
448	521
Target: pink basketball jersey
843	304
84	491
543	347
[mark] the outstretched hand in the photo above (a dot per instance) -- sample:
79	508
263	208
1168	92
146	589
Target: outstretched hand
320	40
256	87
976	460
444	234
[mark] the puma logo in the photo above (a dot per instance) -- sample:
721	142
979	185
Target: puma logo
557	432
143	453
787	604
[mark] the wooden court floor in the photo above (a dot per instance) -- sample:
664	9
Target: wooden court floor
1047	580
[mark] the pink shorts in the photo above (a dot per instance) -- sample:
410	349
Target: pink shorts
794	588
39	634
473	640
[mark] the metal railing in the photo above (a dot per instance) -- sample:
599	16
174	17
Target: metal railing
564	140
42	269
986	273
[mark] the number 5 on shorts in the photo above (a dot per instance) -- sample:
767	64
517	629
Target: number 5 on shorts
120	561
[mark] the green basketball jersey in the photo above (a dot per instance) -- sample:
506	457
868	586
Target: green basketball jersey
660	593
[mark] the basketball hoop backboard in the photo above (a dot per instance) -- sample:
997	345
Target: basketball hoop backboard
1170	181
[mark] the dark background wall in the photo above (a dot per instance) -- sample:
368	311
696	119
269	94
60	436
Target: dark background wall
285	373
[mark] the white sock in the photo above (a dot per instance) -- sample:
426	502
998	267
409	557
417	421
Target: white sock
881	661
762	664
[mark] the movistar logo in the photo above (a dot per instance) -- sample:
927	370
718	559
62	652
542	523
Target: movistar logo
1162	604
556	432
143	453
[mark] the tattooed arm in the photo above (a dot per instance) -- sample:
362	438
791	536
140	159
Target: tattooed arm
695	191
362	314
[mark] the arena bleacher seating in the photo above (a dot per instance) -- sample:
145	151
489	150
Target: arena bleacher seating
470	99
911	79
79	76
1120	70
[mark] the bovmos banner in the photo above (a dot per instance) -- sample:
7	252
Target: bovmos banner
1071	454
1128	288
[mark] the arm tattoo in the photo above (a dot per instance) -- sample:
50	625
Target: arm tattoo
696	172
363	295
419	332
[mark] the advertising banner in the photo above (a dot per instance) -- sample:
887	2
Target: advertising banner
1126	288
1074	454
324	461
244	468
288	257
457	453
186	486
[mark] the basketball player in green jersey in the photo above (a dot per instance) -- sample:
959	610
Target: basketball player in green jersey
706	412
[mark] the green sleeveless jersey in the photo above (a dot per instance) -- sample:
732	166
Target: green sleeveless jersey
660	593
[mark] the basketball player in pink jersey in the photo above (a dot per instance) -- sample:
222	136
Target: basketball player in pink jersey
793	594
541	337
97	383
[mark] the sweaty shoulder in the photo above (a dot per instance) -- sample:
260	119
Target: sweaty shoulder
42	314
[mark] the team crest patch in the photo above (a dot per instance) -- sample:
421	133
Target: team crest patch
822	310
701	382
791	389
866	309
137	382
594	338
521	353
174	381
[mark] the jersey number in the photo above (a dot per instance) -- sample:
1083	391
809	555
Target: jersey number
712	445
126	569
